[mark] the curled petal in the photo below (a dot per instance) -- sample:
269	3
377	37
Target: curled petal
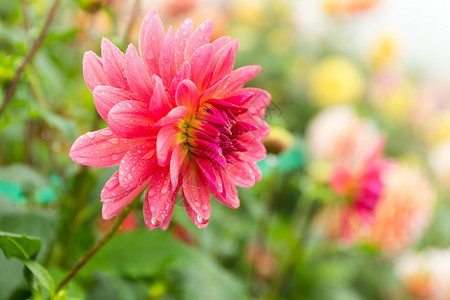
105	97
187	95
131	119
167	139
115	197
101	148
93	72
137	165
174	116
138	78
114	64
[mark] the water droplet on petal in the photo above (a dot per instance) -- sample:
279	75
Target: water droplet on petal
115	157
199	219
90	135
153	221
129	176
114	141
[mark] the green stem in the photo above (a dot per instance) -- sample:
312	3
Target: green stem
29	57
99	244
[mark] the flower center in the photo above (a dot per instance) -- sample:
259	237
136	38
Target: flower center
214	132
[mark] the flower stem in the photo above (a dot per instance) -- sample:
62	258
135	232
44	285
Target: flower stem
29	57
124	213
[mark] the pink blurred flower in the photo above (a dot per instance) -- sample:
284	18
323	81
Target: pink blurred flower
338	136
362	187
178	119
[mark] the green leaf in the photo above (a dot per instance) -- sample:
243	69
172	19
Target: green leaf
19	246
41	274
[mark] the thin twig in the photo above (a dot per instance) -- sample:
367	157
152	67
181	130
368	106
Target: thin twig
29	57
26	22
134	12
99	244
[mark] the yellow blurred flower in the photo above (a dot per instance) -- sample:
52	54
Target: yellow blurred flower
384	51
404	210
250	12
393	95
439	128
336	80
339	7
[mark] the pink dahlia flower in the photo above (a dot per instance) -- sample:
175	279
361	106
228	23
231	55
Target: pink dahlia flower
363	188
178	119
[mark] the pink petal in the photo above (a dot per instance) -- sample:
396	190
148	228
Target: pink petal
183	73
187	95
220	42
200	62
210	173
241	174
229	195
167	139
160	200
175	115
196	193
255	149
255	170
176	162
137	165
115	197
167	58
195	218
258	102
166	222
131	119
231	83
93	72
114	64
138	78
151	39
263	129
105	97
201	36
100	148
183	35
224	60
159	103
210	150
